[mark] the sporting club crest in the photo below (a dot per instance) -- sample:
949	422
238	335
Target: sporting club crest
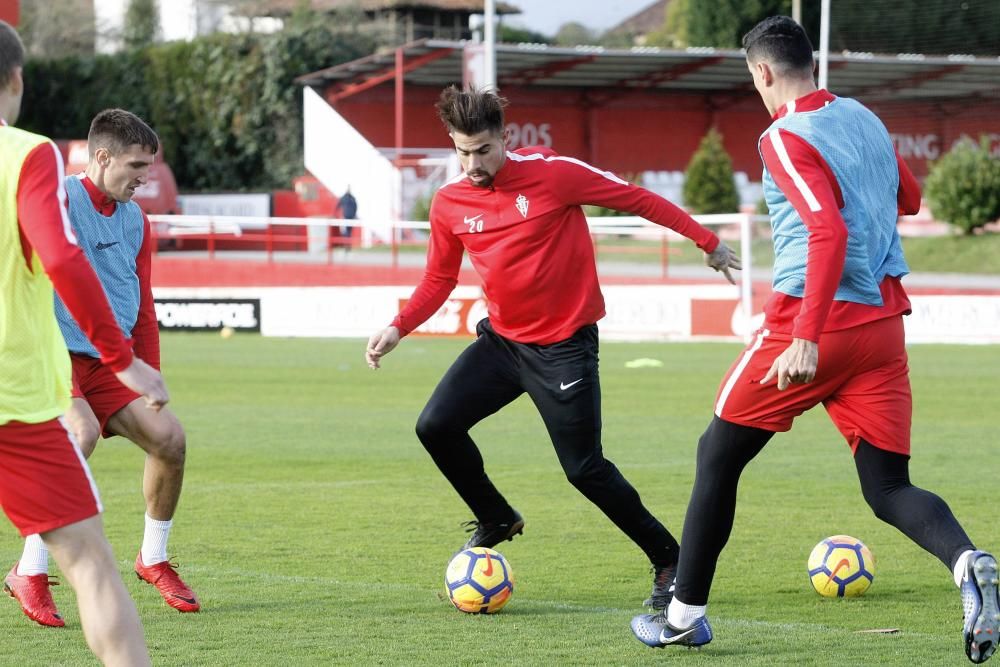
522	205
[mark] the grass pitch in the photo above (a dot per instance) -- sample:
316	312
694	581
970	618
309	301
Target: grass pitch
316	530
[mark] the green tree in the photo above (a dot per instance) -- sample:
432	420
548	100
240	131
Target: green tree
722	23
855	25
963	187
674	32
226	107
917	26
66	93
421	208
574	33
709	186
517	35
57	29
142	24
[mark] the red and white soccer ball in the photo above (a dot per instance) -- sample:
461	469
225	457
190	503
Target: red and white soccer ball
479	581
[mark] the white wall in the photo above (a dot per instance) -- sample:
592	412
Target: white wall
339	156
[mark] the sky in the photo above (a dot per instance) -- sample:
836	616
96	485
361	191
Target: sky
545	16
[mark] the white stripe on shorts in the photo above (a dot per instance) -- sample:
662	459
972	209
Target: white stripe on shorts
83	463
724	394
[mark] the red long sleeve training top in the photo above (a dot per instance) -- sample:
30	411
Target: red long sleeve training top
816	311
528	240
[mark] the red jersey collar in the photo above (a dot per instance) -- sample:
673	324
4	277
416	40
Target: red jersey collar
502	172
814	100
103	204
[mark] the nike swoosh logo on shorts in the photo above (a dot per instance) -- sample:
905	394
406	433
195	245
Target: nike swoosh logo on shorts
105	246
564	386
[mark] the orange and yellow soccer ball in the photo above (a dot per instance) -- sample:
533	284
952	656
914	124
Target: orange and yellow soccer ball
841	567
479	581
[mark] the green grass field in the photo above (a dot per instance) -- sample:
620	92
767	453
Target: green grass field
939	254
316	529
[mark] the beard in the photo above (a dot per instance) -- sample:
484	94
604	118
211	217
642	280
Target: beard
486	179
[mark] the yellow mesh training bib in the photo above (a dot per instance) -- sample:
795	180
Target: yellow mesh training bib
34	365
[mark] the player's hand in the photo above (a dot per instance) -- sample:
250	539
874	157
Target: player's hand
722	259
380	344
143	379
797	364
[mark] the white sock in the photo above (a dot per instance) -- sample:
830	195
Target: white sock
154	540
960	564
681	616
35	559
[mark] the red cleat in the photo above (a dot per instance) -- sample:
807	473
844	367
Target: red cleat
164	577
32	591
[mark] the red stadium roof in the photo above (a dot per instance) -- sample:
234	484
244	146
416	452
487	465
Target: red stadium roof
871	76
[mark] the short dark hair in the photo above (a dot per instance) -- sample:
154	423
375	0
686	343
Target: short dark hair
117	129
472	110
782	42
11	52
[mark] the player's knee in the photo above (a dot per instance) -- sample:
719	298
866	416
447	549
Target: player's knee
432	426
882	500
87	435
172	447
582	474
878	502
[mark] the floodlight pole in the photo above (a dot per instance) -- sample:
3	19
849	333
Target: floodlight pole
824	43
490	45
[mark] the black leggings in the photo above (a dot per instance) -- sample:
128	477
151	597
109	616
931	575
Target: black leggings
725	449
562	380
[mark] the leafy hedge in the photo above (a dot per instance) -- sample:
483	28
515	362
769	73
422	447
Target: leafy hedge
963	187
709	186
225	106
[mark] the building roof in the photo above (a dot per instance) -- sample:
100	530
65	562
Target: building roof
645	20
286	7
866	75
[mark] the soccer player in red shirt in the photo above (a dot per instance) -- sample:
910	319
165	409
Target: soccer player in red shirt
519	216
46	486
114	234
832	334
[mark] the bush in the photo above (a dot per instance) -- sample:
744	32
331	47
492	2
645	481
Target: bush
709	186
963	187
595	211
422	209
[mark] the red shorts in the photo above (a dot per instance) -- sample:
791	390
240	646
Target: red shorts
862	380
46	483
97	384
